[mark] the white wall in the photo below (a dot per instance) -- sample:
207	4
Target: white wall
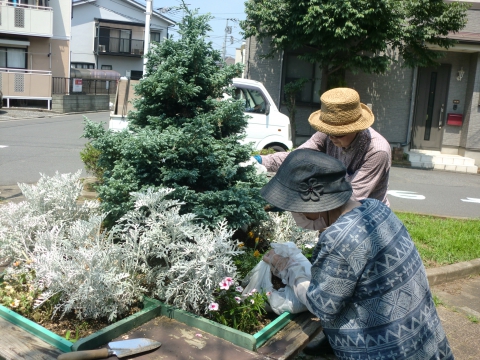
62	15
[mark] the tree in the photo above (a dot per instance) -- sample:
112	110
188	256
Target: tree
356	34
291	90
182	136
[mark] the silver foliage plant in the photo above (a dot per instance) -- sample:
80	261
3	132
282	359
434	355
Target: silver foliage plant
153	250
184	260
281	227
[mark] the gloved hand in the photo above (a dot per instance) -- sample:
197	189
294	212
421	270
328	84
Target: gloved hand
278	264
291	267
252	161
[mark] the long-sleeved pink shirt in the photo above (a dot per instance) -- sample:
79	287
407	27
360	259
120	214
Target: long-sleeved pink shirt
367	159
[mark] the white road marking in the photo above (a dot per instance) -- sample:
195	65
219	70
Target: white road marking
3	146
406	194
473	200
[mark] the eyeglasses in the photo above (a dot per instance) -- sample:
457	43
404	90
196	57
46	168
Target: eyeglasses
337	136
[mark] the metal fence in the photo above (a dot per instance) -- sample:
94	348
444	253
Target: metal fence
65	86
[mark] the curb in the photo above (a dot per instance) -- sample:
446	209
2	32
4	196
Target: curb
444	274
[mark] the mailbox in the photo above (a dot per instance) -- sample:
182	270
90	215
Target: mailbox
455	119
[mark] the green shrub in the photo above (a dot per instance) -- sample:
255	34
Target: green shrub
181	136
89	156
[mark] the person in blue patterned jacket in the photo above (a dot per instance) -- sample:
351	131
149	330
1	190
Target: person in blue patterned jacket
368	285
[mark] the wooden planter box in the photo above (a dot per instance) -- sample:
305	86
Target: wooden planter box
152	308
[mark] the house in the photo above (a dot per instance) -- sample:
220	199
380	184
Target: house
441	131
34	48
109	35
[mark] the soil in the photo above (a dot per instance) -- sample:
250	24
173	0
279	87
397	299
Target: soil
78	328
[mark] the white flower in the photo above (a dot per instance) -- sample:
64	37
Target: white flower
238	299
213	307
229	281
252	301
309	246
239	289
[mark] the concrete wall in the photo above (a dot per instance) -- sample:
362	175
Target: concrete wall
390	95
80	103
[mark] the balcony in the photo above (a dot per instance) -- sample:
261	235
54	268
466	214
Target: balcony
25	84
22	19
105	45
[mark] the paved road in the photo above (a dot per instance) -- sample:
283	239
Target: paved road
42	145
435	192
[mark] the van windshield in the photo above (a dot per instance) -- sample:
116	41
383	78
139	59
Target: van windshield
253	100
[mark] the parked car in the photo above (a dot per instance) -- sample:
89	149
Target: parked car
1	99
267	127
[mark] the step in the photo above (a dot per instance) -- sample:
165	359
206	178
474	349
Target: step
428	159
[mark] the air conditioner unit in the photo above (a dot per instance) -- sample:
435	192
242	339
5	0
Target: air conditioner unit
101	48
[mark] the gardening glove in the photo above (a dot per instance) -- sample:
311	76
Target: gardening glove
289	269
258	167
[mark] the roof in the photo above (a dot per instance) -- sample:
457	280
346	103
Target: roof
464	36
133	3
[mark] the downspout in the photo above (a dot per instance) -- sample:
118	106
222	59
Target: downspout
412	105
280	81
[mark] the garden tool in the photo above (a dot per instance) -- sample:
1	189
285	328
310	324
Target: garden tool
120	349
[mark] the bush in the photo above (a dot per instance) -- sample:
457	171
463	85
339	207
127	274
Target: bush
59	246
90	156
181	136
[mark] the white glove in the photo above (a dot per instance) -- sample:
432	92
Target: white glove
294	265
259	167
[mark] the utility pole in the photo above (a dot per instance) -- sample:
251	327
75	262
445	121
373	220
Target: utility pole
146	45
228	30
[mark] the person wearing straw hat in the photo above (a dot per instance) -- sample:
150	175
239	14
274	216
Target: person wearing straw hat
368	285
344	131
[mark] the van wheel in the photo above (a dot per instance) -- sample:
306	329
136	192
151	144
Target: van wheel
277	148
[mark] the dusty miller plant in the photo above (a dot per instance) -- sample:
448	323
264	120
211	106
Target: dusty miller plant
280	227
183	260
50	203
153	249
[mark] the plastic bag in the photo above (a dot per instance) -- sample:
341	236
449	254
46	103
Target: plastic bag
260	278
283	300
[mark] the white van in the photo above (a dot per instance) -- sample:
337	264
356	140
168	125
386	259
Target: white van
267	127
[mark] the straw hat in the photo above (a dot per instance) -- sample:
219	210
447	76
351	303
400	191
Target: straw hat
341	113
308	181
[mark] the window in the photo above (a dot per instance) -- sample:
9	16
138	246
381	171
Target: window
82	66
136	75
13	58
155	36
106	67
296	69
253	100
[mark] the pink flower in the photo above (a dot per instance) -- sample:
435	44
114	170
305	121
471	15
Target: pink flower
239	288
268	293
198	335
253	291
213	306
224	285
238	299
229	281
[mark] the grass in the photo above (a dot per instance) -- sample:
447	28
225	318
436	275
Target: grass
443	241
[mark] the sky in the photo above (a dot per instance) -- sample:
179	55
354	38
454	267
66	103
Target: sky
221	10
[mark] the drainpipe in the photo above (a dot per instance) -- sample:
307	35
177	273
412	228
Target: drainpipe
146	44
412	105
280	81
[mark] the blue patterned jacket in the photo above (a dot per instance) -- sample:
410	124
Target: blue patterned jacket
370	290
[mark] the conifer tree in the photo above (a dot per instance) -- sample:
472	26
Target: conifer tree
182	135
